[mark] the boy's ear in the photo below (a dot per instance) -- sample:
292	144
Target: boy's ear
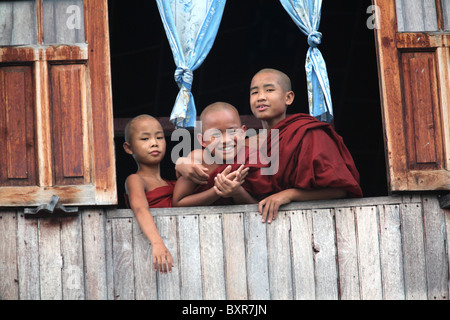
290	95
127	148
200	139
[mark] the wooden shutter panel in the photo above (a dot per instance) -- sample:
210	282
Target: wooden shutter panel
17	153
68	110
415	90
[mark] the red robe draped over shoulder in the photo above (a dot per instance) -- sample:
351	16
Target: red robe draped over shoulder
312	155
160	197
257	185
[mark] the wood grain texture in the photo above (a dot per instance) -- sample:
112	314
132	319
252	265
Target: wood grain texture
235	266
379	250
414	86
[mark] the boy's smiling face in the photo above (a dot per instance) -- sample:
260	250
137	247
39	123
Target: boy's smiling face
269	97
223	134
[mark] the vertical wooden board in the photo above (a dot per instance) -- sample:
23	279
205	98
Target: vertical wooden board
436	260
447	238
416	15
235	266
169	284
190	261
109	259
95	254
413	252
302	255
279	252
6	23
325	254
50	258
144	272
48	12
257	258
64	34
24	23
212	257
122	259
72	255
28	258
99	78
9	289
368	253
391	254
347	254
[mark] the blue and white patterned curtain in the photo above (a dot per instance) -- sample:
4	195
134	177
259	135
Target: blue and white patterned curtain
306	15
191	27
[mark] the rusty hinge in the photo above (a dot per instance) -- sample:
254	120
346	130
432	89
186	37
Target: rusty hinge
51	209
444	201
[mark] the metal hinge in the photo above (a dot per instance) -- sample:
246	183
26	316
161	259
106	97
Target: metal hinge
444	201
51	209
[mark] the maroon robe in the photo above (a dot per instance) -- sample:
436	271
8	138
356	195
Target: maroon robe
257	185
160	197
312	155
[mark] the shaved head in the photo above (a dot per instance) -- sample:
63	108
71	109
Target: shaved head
129	127
283	79
218	106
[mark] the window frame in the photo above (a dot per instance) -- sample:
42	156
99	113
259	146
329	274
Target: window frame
393	50
92	62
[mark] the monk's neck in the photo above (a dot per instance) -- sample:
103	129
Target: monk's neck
150	171
270	124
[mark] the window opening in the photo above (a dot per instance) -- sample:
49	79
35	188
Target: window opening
252	35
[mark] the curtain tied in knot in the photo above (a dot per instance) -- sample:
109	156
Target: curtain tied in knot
184	77
314	39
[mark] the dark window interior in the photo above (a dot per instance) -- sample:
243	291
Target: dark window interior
253	35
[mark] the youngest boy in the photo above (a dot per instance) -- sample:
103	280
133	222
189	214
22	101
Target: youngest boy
144	140
223	140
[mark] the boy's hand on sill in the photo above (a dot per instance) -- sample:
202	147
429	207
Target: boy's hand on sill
269	206
162	259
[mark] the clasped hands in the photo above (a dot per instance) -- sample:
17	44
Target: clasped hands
228	183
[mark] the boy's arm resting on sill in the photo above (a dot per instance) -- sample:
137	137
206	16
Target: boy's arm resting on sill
184	196
269	206
138	203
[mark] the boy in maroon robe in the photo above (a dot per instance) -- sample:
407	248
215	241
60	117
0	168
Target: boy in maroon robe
145	141
226	160
314	163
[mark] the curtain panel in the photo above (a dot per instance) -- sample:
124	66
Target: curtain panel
306	15
191	28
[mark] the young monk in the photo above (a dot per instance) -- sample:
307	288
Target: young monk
224	157
145	141
314	163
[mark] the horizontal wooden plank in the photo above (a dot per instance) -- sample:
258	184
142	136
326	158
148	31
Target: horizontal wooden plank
36	196
417	40
44	53
306	205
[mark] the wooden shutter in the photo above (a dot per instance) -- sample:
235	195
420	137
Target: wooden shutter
414	59
56	123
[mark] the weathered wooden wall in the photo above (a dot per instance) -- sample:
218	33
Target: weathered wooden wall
375	248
